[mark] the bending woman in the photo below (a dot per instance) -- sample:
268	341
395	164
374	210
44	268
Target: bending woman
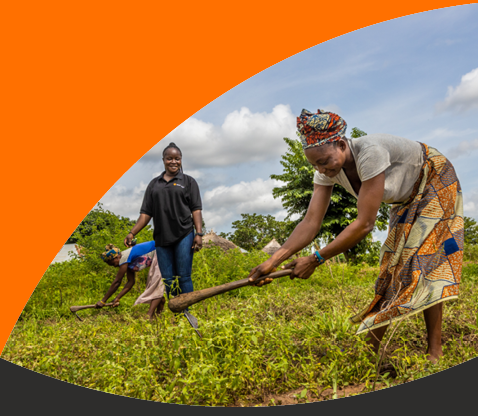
129	262
173	201
421	259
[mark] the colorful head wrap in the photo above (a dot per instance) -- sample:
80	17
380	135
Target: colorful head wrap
320	128
111	252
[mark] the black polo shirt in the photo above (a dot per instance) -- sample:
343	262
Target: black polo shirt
171	205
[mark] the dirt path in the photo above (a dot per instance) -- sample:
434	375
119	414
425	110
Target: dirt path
293	397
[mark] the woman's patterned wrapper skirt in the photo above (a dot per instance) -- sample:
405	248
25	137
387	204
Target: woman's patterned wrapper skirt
422	257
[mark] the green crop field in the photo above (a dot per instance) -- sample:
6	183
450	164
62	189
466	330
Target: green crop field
288	342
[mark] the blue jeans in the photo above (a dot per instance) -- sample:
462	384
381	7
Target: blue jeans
177	260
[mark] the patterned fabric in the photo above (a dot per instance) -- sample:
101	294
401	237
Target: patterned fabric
140	263
111	252
421	259
154	284
142	249
320	128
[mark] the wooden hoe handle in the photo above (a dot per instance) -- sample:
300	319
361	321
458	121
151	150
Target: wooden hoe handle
181	302
79	308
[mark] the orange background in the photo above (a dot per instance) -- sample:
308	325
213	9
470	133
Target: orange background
82	83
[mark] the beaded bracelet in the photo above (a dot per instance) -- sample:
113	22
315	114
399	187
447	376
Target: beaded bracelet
319	258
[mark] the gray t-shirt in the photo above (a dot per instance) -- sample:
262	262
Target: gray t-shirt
400	158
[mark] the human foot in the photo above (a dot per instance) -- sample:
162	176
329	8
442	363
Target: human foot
434	356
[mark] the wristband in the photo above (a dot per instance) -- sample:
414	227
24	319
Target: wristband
131	233
319	258
102	302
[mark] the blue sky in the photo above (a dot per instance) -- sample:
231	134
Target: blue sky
414	77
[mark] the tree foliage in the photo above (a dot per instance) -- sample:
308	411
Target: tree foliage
97	220
255	231
471	231
296	194
470	252
101	227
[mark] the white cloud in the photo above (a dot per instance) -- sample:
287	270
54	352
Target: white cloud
442	133
380	236
243	137
464	96
280	215
221	205
123	201
196	174
470	204
464	148
225	204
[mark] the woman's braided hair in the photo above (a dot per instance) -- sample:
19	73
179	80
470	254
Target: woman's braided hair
173	146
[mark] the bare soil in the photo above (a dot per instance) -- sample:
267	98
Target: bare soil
293	396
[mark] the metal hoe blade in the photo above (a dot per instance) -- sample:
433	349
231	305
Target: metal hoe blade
193	321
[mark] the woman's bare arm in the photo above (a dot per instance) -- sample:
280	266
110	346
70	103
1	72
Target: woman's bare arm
114	285
142	222
302	235
309	227
131	275
197	220
368	204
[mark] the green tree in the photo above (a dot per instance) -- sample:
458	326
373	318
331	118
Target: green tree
101	227
255	231
296	194
471	231
96	220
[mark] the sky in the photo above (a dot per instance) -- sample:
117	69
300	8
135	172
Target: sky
414	77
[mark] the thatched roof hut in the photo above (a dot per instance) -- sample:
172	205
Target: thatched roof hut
212	239
271	247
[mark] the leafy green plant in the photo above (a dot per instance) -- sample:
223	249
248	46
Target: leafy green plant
288	336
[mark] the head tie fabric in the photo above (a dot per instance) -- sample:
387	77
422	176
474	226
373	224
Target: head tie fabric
319	128
110	253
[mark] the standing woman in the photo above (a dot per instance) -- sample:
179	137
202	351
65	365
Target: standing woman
421	259
173	201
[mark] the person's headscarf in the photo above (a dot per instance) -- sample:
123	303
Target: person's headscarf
111	252
316	129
